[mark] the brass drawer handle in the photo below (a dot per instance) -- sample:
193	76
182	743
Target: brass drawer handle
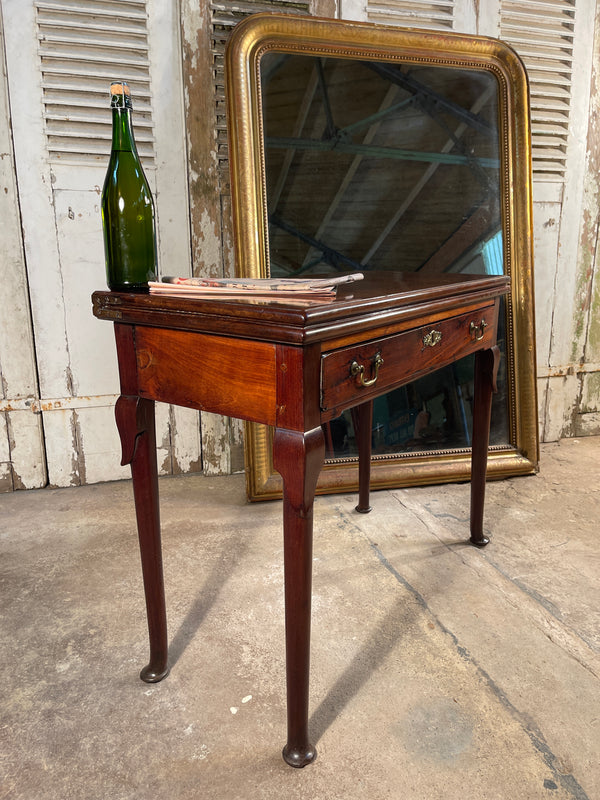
432	338
478	331
358	371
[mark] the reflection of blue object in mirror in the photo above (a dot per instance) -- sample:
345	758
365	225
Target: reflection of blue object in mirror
493	257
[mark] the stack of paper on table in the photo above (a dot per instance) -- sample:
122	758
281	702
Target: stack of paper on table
278	289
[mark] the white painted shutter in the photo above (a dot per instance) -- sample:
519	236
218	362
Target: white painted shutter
434	14
61	56
82	47
542	32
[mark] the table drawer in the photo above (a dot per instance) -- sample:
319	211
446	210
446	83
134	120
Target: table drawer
362	371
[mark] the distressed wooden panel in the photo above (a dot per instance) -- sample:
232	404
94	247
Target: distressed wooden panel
27	452
178	440
98	445
6	482
590	393
203	176
237	457
95	449
172	199
92	359
17	363
22	461
82	445
568	325
216	444
22	455
546	230
36	198
588	289
62	137
61	434
559	407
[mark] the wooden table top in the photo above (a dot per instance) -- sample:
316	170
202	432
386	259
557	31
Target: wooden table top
381	298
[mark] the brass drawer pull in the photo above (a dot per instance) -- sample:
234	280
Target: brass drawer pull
478	331
358	371
432	338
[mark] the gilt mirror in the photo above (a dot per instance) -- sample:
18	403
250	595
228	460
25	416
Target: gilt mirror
356	147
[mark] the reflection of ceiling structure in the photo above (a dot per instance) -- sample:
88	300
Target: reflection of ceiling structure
378	166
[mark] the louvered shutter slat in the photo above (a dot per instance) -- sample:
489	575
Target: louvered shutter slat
120	9
430	15
541	31
82	48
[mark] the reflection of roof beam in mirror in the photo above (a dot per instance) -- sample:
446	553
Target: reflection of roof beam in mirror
432	103
425	178
331	256
421	90
379	152
470	232
385	107
298	127
379	116
330	130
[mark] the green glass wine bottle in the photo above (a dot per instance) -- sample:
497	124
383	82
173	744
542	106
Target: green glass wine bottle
127	206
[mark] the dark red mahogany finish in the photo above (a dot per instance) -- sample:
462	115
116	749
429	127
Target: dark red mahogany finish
295	368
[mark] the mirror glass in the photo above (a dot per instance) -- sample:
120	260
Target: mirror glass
357	147
387	166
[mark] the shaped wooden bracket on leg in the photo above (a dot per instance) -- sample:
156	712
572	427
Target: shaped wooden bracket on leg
131	414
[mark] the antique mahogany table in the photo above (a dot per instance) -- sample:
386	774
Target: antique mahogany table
294	367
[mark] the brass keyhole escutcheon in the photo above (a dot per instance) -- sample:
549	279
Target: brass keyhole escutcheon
358	371
432	338
477	331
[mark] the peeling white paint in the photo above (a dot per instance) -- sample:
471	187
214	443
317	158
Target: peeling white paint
192	21
211	245
216	454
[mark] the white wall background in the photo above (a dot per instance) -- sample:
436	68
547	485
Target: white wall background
57	363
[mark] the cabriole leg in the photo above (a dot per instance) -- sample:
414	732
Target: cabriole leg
298	458
362	419
486	372
135	421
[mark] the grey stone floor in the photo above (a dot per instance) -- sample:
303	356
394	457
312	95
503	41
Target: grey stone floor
438	670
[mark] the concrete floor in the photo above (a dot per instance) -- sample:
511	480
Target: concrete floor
438	670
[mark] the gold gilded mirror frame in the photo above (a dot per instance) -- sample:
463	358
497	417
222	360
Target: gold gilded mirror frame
271	33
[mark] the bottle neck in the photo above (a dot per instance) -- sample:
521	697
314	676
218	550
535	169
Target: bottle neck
122	131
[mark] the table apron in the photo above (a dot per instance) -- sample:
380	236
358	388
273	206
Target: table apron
234	377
